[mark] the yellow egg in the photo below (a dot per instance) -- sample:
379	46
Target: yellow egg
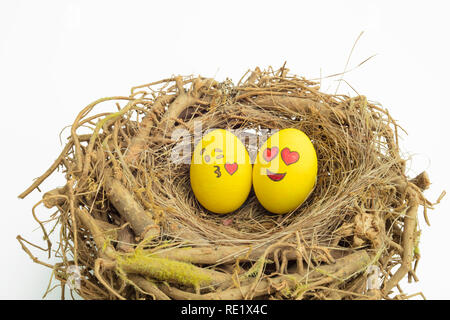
285	171
221	172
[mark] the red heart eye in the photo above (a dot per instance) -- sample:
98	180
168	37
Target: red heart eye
289	157
270	153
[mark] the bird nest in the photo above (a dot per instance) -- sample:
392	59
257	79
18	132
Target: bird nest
131	228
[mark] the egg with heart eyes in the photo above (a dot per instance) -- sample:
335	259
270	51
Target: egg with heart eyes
221	172
285	171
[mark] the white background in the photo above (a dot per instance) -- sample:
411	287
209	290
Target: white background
58	56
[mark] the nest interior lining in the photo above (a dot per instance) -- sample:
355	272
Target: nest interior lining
131	223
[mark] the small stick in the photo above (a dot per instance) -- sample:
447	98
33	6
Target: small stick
140	220
97	233
140	140
75	125
49	171
149	287
28	252
55	197
178	294
74	220
182	101
407	242
125	239
422	181
98	263
298	104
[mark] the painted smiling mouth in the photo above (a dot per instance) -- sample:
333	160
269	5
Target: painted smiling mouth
275	176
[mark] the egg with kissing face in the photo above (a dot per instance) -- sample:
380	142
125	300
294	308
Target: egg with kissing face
285	171
221	172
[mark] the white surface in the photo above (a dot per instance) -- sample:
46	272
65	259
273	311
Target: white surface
58	56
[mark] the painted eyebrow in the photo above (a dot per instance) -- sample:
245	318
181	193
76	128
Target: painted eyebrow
220	156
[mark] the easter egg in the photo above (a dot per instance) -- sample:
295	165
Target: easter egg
221	172
285	171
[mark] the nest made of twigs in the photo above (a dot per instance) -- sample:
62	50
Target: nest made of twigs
133	228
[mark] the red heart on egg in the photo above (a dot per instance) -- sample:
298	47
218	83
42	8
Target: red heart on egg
231	167
289	157
270	153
